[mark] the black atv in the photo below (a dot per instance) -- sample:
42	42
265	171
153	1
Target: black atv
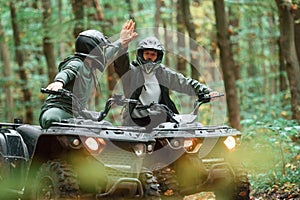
80	158
189	158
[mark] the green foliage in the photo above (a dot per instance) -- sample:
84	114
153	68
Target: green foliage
271	143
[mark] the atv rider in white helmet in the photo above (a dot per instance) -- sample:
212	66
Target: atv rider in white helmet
146	79
77	72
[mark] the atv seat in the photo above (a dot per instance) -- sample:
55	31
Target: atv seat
30	135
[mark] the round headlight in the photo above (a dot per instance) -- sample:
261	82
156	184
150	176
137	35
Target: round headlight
92	144
192	145
230	142
188	143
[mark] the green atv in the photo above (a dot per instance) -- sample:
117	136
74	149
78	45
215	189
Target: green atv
80	158
189	158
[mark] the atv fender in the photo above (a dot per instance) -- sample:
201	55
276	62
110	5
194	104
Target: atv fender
30	135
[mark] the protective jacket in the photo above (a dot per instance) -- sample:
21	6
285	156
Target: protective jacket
133	83
77	76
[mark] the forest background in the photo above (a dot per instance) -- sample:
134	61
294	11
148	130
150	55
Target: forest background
254	45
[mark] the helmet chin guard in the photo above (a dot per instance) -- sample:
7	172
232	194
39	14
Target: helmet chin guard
149	66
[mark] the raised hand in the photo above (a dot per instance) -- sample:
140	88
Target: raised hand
127	33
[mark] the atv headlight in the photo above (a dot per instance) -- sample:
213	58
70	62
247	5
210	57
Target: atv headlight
92	144
192	145
95	145
230	142
139	149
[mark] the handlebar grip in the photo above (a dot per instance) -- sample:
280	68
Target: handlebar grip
204	97
47	91
141	107
131	101
58	92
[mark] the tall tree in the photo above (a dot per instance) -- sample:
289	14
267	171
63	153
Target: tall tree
111	76
61	51
130	10
27	96
48	46
157	16
227	63
99	15
288	49
167	36
189	23
78	11
181	62
283	86
297	31
234	23
7	74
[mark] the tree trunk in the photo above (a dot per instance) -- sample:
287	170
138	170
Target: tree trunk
166	35
188	20
227	63
131	11
111	76
181	61
62	45
234	23
157	19
287	41
78	11
48	46
8	107
22	71
297	32
167	45
99	16
283	86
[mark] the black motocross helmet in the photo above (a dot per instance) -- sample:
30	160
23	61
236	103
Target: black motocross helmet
91	44
151	43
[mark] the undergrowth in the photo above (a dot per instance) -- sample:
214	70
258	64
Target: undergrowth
271	142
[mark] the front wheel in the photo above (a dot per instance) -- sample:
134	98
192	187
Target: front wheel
238	190
168	183
150	186
55	180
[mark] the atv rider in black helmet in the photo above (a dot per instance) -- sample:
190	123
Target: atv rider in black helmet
148	80
77	72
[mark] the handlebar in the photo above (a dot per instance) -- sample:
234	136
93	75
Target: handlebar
95	116
63	92
205	98
120	101
202	98
58	92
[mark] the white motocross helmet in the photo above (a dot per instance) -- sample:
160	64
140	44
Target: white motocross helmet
151	43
